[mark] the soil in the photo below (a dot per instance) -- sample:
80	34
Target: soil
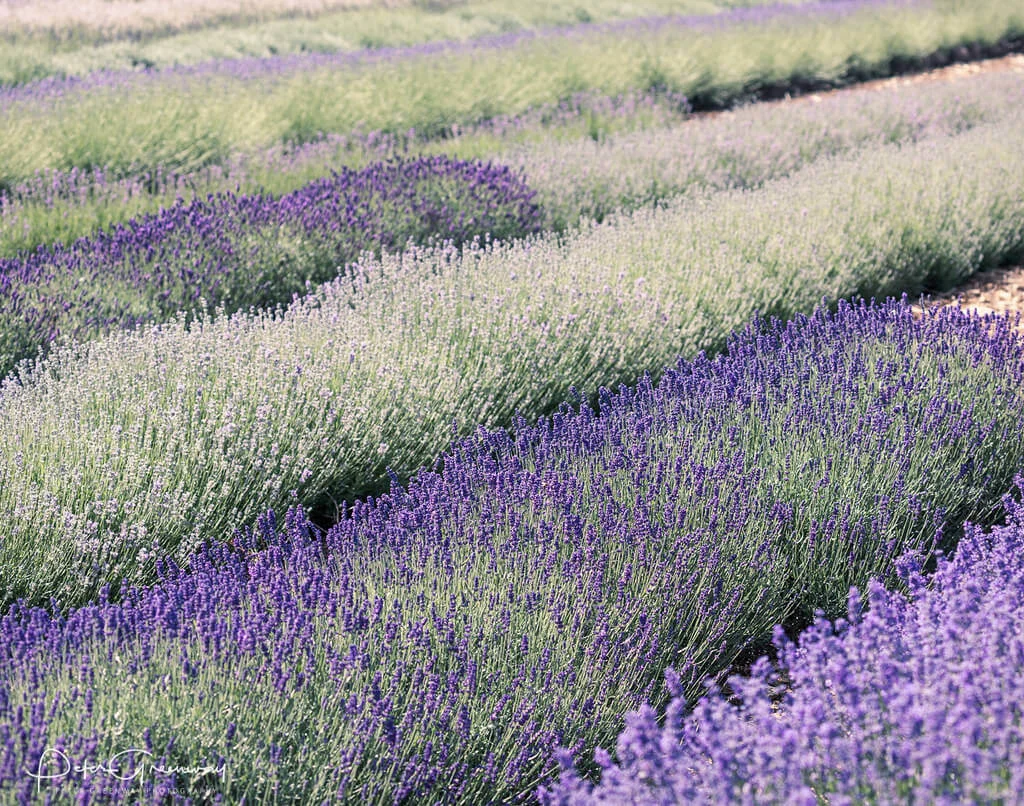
1013	62
992	291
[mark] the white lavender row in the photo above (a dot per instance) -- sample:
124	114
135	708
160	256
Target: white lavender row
591	178
143	445
236	251
438	644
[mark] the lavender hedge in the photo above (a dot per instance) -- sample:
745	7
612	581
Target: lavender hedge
60	205
596	177
312	404
918	700
240	251
441	641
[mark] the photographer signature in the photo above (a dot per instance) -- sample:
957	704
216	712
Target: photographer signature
55	765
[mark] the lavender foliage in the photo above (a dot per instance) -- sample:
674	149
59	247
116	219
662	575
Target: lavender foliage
440	642
918	700
239	251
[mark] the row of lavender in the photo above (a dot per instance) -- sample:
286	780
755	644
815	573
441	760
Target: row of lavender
186	119
236	252
916	701
58	205
311	405
147	269
442	641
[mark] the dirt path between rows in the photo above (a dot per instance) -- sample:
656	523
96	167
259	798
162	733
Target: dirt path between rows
992	291
1013	62
954	72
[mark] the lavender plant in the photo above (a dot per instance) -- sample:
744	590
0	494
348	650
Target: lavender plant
916	700
439	642
144	444
191	117
236	252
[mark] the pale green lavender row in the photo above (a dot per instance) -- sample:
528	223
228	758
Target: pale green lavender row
145	444
186	119
750	146
73	38
587	157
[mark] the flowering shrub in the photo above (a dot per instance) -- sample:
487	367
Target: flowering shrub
918	699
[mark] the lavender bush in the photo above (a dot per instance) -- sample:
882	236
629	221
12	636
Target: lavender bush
916	700
439	642
311	405
192	117
236	252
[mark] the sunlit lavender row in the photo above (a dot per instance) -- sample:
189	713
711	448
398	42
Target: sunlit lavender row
578	154
592	178
915	701
313	404
186	119
440	642
235	252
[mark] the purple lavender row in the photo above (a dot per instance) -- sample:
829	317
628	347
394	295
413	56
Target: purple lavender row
242	251
915	701
440	642
286	66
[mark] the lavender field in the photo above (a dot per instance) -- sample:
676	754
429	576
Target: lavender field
469	402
